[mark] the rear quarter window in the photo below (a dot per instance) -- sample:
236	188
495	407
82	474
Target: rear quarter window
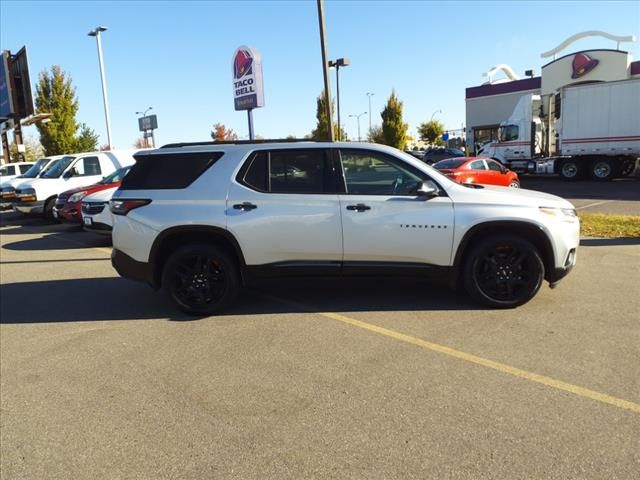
168	171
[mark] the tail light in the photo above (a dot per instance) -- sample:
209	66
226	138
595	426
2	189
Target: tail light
125	205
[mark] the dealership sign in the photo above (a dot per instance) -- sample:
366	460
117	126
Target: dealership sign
248	92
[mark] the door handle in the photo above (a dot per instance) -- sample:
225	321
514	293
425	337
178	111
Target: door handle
245	206
360	207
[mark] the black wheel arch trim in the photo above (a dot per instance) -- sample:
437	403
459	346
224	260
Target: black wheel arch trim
509	227
192	229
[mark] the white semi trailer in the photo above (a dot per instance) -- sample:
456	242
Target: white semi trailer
590	130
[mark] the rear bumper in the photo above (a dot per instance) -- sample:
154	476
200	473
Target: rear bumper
129	268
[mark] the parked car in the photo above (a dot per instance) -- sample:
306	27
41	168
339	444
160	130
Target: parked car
440	153
419	154
7	188
202	220
96	216
478	170
38	196
12	170
68	206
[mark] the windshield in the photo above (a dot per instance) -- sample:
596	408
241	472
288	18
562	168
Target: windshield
448	164
116	176
35	169
56	170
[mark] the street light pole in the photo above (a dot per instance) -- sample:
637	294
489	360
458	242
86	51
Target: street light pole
437	111
341	62
96	33
358	119
325	70
370	94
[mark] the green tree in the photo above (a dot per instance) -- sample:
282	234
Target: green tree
56	95
321	132
394	130
431	131
375	135
87	140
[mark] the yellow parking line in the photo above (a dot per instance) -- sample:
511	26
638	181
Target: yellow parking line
468	357
501	367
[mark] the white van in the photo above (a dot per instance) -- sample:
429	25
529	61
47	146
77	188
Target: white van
38	196
12	170
8	187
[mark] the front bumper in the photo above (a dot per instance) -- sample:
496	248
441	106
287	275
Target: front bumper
68	213
33	208
129	268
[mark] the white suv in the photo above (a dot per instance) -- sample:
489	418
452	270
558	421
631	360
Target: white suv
201	220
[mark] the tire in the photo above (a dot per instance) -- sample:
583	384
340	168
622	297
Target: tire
628	167
201	279
514	184
47	211
503	271
570	170
602	169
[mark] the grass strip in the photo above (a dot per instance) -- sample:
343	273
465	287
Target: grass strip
610	226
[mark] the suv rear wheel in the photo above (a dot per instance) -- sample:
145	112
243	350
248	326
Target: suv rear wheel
503	271
201	279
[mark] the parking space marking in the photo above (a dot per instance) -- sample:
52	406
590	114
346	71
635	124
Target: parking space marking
468	357
595	204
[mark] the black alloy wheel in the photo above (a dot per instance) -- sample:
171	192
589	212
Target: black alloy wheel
201	279
503	271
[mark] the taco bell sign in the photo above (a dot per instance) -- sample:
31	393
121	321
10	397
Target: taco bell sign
248	92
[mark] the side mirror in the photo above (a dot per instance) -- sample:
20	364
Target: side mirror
427	190
68	174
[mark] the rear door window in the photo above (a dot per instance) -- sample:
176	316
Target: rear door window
289	171
167	171
24	168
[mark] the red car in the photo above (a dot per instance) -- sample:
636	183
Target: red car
478	170
68	206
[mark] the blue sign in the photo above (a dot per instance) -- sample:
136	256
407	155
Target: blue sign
5	98
445	136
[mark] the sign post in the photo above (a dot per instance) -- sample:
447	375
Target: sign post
248	88
147	125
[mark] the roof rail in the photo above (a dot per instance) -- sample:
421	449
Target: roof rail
238	142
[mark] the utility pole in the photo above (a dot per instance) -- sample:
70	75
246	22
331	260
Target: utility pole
96	33
325	69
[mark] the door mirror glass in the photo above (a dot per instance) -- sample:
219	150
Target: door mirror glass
427	189
69	173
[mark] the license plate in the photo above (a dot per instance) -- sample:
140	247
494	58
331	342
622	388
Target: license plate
55	213
88	221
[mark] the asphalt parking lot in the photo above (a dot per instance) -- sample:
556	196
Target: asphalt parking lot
101	378
619	197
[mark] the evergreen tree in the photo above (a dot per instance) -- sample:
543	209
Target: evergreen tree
87	140
394	130
321	132
56	95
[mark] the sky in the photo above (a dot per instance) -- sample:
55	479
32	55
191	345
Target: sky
176	56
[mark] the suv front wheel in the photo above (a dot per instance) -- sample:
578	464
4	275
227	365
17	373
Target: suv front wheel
201	279
503	271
